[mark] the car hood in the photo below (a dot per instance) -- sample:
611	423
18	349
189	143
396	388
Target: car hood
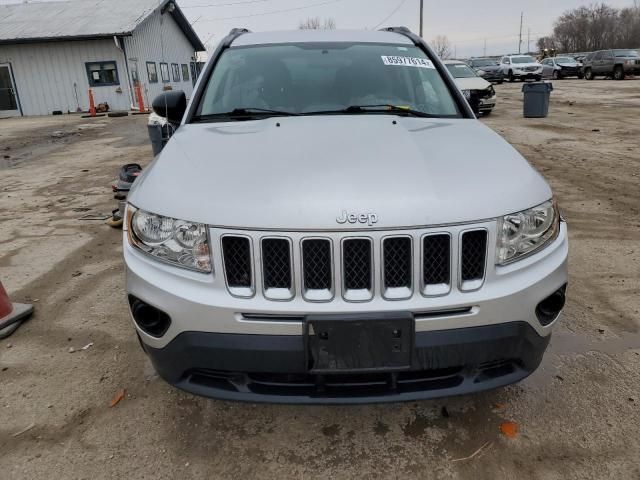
569	64
301	173
472	83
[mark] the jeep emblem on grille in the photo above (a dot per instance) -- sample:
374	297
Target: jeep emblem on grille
367	218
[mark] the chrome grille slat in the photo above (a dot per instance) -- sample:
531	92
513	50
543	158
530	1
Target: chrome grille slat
473	259
237	261
277	268
357	269
436	264
317	269
397	258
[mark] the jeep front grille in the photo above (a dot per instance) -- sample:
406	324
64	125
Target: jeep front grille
354	266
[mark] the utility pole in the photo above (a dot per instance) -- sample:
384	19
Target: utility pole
421	10
528	40
520	41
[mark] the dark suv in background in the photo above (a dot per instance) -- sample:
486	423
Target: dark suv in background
488	69
612	63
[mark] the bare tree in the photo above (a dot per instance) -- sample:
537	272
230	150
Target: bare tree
596	27
314	23
442	47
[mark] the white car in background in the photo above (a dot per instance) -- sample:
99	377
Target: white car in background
479	93
521	67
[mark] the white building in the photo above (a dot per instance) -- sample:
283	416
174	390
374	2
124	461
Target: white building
52	53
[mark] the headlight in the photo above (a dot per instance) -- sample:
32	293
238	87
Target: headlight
177	242
482	73
521	234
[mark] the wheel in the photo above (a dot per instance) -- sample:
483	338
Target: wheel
511	77
588	74
486	113
618	73
500	82
556	75
538	78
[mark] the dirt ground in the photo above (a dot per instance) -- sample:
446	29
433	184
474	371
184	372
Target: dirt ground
578	415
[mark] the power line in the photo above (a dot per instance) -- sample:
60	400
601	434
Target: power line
272	12
390	15
207	5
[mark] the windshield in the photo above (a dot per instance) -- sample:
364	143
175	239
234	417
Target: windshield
523	60
565	60
626	53
312	78
459	70
483	62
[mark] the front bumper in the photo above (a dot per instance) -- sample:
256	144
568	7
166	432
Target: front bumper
271	368
528	75
226	347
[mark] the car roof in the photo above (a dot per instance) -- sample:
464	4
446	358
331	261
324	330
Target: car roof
313	36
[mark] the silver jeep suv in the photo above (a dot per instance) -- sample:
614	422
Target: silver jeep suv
321	229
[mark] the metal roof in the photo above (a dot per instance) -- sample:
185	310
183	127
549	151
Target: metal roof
303	36
82	19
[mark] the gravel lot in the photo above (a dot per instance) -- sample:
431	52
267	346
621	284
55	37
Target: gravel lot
578	415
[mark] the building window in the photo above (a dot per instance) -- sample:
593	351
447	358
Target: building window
164	72
102	74
185	72
175	69
152	72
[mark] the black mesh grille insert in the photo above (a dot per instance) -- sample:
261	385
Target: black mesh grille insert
356	264
316	259
436	260
276	263
237	261
474	252
397	262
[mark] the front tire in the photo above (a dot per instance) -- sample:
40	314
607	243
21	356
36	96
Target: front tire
588	74
511	77
618	73
538	78
556	75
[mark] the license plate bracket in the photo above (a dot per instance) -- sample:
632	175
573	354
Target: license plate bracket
359	343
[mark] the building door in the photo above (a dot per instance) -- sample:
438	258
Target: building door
9	106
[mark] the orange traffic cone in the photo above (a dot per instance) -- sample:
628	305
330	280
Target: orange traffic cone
11	314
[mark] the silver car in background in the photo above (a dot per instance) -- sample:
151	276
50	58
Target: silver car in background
330	223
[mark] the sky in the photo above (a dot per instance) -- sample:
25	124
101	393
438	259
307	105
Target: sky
466	23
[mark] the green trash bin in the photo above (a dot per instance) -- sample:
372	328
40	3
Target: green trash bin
536	99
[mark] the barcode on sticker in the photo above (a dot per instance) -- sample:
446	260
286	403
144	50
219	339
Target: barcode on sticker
407	61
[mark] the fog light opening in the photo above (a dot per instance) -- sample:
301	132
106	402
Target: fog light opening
549	308
150	320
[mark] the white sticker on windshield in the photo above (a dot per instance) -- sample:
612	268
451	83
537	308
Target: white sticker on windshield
407	61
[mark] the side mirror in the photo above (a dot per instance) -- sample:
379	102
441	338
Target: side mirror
171	105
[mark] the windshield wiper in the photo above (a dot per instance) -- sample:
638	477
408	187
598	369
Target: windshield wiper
247	113
380	108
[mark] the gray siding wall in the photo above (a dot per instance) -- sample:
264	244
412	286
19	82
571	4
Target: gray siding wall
45	74
159	39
